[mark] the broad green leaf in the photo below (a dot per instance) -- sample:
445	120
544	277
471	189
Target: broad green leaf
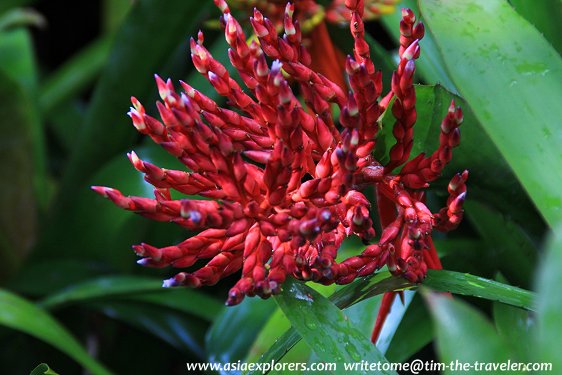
135	289
430	64
183	332
234	331
22	315
465	335
491	51
74	76
545	15
470	285
324	327
17	199
516	326
549	304
151	31
43	369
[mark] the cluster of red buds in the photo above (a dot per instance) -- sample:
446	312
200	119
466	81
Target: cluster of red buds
285	178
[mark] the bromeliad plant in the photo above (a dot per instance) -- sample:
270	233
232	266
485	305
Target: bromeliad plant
288	172
284	181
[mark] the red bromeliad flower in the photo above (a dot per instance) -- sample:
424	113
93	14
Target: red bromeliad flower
285	179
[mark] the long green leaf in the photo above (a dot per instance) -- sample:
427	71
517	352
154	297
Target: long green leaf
21	315
325	328
135	289
470	285
490	52
549	304
464	335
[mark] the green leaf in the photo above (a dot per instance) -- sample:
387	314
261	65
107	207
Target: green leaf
490	51
549	304
324	327
21	315
135	289
234	331
464	335
43	369
74	76
470	285
516	327
17	199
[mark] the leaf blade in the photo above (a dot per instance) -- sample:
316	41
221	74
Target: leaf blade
324	327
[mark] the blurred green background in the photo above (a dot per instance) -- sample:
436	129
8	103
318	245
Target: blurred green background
71	294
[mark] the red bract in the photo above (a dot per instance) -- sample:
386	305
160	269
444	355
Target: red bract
285	179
